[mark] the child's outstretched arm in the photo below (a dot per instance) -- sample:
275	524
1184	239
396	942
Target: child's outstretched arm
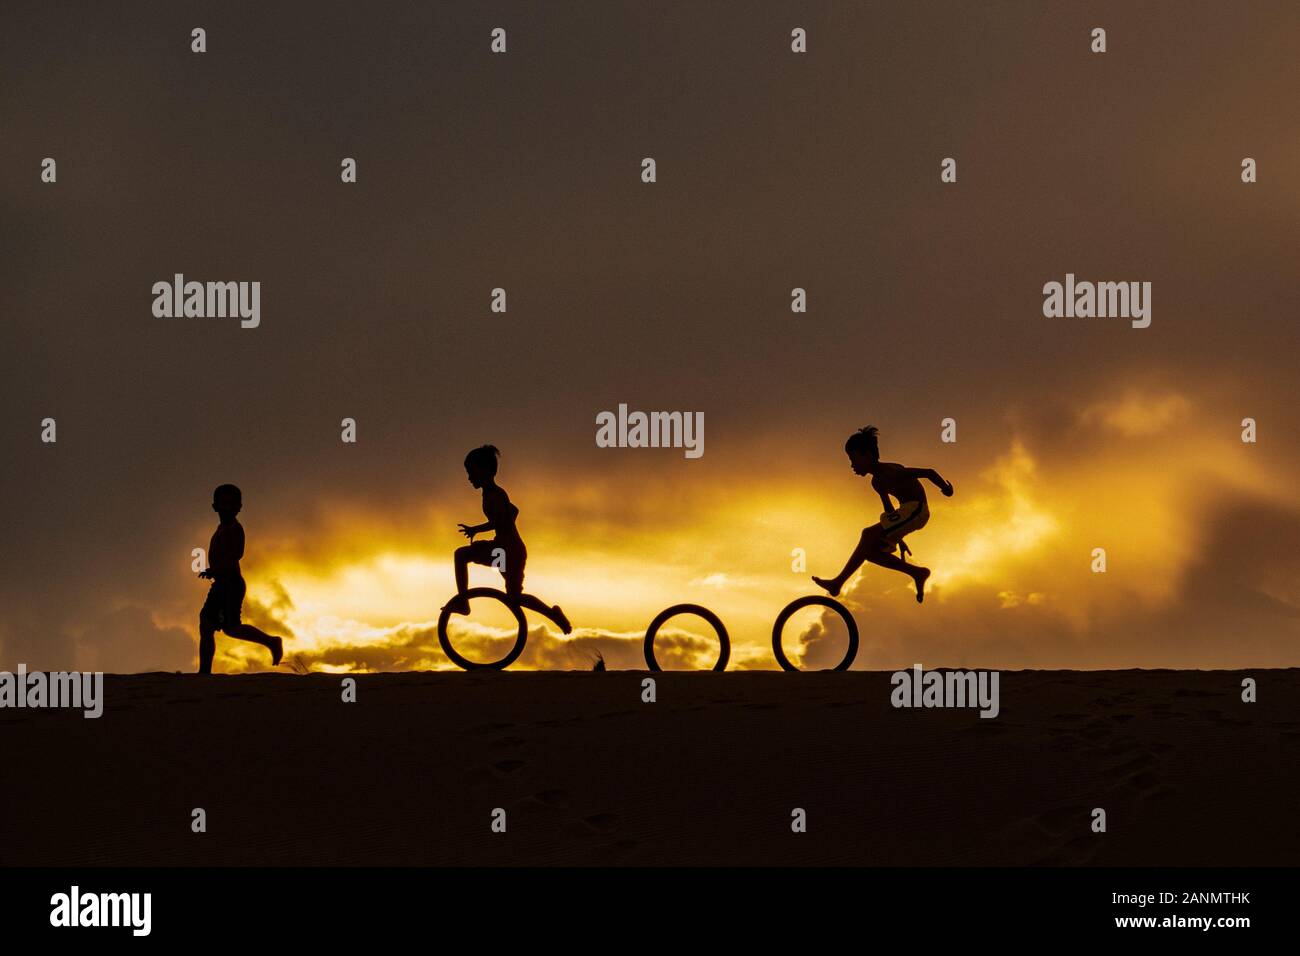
470	530
932	476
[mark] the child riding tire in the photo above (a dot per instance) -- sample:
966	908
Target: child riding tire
465	663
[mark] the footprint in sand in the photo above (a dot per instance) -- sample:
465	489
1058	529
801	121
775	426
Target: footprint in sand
1062	819
1057	837
1162	792
594	826
1142	761
1096	728
478	777
1119	700
1218	717
601	822
616	851
548	808
489	728
1144	782
1076	852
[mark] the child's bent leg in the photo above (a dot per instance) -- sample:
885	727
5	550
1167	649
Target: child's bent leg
886	559
868	545
462	558
917	573
515	591
551	612
207	645
246	632
459	604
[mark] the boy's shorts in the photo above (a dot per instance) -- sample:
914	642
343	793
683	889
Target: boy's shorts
225	600
514	559
910	516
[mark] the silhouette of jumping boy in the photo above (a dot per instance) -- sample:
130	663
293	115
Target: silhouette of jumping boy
879	542
505	551
226	596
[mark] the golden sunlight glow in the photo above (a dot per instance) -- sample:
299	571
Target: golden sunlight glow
1017	537
1002	523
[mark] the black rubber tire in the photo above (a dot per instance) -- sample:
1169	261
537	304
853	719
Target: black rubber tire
820	600
695	609
465	663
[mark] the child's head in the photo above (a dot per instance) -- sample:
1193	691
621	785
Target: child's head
863	449
481	465
227	501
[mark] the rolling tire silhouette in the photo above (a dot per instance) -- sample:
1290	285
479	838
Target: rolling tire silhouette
673	611
465	663
799	604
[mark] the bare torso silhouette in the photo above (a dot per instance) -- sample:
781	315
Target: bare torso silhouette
505	551
891	481
891	478
222	609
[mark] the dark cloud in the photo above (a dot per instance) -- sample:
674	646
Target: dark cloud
127	641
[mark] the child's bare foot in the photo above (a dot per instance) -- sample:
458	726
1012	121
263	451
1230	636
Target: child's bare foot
277	651
457	605
920	577
830	584
561	619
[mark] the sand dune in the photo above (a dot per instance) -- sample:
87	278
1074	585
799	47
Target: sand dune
709	774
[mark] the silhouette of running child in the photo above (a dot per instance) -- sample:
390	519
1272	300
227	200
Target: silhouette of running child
879	542
505	551
226	596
